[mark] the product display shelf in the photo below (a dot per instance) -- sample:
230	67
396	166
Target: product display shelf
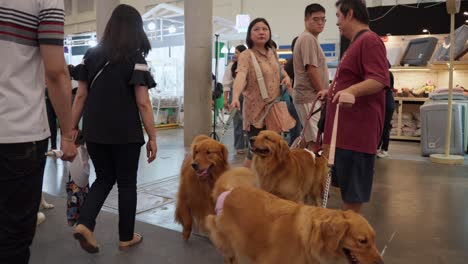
402	101
416	76
167	112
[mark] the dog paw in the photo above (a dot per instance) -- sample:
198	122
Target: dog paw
186	234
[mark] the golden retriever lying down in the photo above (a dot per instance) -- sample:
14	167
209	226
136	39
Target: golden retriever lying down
207	160
295	175
259	228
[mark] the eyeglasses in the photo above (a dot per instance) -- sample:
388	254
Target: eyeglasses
319	19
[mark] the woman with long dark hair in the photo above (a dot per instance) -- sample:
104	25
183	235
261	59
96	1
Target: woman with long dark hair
113	82
228	81
261	107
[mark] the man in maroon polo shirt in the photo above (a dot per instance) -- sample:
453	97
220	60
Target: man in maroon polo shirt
363	72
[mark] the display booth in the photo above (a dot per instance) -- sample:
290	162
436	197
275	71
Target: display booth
164	25
421	74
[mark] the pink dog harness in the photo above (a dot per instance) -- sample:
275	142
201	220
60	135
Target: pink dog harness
220	202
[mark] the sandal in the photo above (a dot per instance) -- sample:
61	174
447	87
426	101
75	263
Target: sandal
137	239
84	236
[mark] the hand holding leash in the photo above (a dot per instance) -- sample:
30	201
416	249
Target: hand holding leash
54	153
344	99
235	104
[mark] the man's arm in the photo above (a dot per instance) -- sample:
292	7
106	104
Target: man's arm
314	77
366	87
59	88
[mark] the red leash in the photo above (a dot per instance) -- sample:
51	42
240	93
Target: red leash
297	142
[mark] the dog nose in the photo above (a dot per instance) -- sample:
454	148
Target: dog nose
195	166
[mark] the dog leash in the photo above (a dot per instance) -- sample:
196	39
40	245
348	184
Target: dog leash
296	144
345	98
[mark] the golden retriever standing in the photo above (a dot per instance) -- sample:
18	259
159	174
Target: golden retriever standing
296	175
207	160
233	178
259	228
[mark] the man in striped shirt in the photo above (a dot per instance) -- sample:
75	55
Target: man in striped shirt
31	48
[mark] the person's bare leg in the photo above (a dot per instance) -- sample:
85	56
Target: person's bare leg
356	207
247	163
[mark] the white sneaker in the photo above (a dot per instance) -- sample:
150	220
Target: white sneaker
382	154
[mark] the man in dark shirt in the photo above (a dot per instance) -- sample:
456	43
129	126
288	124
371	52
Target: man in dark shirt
363	72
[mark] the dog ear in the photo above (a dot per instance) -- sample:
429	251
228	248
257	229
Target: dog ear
194	148
283	150
333	231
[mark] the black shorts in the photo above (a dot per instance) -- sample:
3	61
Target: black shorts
353	173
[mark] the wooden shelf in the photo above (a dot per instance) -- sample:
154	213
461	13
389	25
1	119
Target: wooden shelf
406	138
434	67
412	99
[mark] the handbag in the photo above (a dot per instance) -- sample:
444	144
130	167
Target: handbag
278	108
77	186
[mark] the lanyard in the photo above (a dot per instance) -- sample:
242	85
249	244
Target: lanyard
342	59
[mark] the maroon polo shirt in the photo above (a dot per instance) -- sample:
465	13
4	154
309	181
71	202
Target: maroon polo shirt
360	126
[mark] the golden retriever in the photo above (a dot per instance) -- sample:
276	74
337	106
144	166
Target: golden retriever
297	175
207	160
258	227
233	178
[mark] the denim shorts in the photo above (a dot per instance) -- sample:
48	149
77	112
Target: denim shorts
353	173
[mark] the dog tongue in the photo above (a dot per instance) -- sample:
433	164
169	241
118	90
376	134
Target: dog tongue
202	173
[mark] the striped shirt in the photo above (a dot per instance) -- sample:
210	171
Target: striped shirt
24	26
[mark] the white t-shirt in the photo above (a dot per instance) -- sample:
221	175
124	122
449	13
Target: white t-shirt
24	25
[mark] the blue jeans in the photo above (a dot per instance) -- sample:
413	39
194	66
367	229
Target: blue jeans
21	173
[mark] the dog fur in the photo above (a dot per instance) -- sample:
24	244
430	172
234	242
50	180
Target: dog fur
234	178
297	175
207	160
258	227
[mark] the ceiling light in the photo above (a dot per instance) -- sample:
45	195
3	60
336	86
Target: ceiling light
172	29
426	31
465	13
151	26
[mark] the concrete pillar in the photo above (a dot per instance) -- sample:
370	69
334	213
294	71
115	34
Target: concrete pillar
198	55
104	10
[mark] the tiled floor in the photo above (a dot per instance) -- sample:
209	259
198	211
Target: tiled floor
416	205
